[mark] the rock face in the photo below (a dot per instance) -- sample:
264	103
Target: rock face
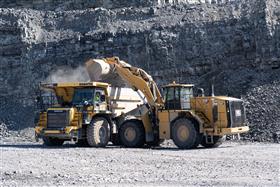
4	132
73	4
59	5
234	44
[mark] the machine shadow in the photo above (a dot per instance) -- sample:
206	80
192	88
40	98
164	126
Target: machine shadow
177	149
31	145
41	146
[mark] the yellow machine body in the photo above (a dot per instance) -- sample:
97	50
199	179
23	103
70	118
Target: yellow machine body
213	116
202	111
179	115
65	92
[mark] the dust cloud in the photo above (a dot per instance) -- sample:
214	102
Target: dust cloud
66	74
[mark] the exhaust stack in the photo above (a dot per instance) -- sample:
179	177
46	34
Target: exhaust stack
212	90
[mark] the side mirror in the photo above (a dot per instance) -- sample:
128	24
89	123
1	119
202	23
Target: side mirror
200	92
86	103
103	98
38	99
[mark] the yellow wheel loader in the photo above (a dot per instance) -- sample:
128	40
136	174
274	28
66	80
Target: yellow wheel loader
148	118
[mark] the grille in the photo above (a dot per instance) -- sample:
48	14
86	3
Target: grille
58	118
237	113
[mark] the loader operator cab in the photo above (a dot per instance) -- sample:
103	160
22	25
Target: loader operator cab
177	96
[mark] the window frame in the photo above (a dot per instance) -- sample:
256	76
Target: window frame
79	89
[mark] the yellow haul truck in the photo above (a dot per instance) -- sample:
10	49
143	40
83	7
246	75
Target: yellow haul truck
85	112
186	119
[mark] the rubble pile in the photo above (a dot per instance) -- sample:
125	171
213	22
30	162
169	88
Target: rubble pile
264	112
4	131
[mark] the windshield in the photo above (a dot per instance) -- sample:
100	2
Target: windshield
83	95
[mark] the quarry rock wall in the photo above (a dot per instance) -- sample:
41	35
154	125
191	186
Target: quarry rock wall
233	44
59	5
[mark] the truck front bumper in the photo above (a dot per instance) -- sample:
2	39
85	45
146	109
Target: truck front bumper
226	131
69	132
235	130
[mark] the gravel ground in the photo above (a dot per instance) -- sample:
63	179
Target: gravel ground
26	163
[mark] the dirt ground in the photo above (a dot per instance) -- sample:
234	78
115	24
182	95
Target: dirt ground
26	163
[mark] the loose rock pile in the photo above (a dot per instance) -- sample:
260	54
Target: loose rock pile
264	112
4	132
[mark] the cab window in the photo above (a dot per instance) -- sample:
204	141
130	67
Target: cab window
99	95
82	95
172	98
178	98
186	94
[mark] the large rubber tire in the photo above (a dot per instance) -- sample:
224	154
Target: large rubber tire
184	134
132	134
197	140
49	141
98	132
217	141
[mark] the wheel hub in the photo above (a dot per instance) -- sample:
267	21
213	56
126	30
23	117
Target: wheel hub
130	134
183	133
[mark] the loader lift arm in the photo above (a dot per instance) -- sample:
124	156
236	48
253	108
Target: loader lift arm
137	78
